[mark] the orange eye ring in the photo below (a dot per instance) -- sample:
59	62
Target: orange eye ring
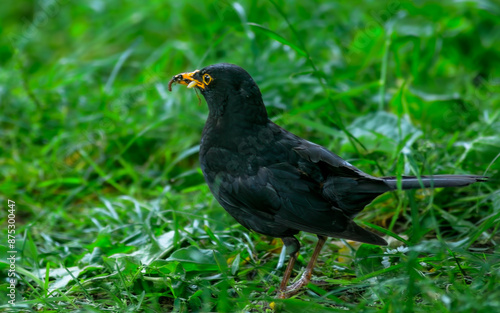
207	79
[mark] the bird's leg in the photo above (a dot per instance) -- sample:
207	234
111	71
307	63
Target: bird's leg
288	272
292	244
306	277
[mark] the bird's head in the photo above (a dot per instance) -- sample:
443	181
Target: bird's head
226	88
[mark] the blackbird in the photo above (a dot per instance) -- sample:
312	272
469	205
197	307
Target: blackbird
276	183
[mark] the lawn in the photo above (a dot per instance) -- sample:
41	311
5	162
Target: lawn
103	204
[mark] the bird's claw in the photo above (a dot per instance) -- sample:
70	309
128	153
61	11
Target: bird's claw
294	288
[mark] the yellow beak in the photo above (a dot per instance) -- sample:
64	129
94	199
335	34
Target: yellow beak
186	79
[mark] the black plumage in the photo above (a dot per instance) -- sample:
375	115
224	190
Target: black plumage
276	183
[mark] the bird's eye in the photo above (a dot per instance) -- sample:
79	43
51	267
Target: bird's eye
207	79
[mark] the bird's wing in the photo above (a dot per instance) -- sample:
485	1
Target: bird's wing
279	198
345	186
280	190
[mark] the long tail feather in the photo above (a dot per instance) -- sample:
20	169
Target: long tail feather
413	182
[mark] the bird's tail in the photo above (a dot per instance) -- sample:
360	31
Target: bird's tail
413	182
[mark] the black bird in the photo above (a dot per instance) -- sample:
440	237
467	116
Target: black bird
276	183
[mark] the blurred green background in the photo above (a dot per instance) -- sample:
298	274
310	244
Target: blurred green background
112	212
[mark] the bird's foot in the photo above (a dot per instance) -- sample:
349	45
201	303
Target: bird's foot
296	286
288	291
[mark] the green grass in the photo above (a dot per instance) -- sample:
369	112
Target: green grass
112	213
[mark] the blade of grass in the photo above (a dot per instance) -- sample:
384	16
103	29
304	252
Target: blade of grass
278	38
